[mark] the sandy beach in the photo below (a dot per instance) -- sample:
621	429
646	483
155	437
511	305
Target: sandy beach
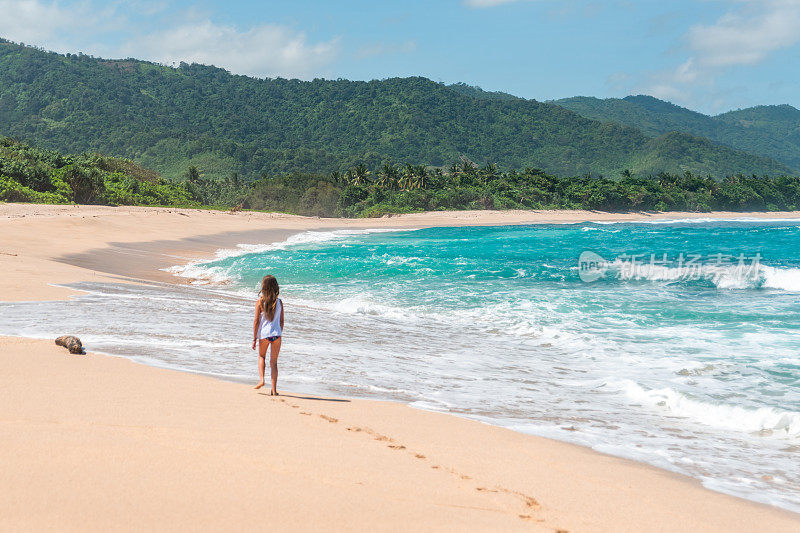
99	442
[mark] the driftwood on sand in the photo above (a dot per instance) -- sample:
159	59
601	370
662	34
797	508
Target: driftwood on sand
71	343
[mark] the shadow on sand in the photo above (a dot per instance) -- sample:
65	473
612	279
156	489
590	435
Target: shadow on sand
283	395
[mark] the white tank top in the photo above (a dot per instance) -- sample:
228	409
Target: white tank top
271	328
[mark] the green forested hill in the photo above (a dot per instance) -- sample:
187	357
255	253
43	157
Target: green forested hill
770	131
167	119
31	174
653	116
782	118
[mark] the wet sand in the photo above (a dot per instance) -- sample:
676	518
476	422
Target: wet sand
98	442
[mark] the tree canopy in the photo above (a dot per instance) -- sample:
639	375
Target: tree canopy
770	131
30	174
169	119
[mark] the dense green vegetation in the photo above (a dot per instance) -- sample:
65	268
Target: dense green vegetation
771	131
327	147
29	174
408	188
169	119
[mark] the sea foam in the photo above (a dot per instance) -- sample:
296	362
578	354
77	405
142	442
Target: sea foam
495	324
763	422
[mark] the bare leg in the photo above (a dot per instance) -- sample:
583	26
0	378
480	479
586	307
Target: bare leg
273	364
263	344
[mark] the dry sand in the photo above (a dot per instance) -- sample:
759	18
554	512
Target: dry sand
96	442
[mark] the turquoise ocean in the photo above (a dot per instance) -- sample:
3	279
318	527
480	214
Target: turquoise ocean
681	348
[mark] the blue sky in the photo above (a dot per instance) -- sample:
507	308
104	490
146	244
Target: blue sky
708	55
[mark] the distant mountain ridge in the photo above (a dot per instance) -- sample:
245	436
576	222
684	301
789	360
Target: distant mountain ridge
770	131
169	118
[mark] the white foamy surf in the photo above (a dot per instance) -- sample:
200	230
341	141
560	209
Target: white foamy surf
494	324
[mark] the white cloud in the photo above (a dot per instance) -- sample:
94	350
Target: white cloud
266	50
666	91
744	36
94	28
747	36
686	72
44	23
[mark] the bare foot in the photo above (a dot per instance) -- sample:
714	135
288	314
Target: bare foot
260	384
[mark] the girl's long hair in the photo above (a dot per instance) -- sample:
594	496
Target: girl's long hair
269	296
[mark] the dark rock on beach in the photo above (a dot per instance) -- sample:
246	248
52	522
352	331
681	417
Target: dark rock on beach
71	343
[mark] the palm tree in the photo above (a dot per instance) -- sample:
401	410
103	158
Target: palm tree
467	166
437	178
388	178
420	177
336	177
193	174
407	181
360	175
489	172
455	174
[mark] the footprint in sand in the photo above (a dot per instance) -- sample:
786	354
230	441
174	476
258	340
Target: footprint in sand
529	502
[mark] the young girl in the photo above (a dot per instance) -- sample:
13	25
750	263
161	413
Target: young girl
267	328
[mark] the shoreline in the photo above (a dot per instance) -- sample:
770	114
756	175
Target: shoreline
123	466
129	258
170	242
